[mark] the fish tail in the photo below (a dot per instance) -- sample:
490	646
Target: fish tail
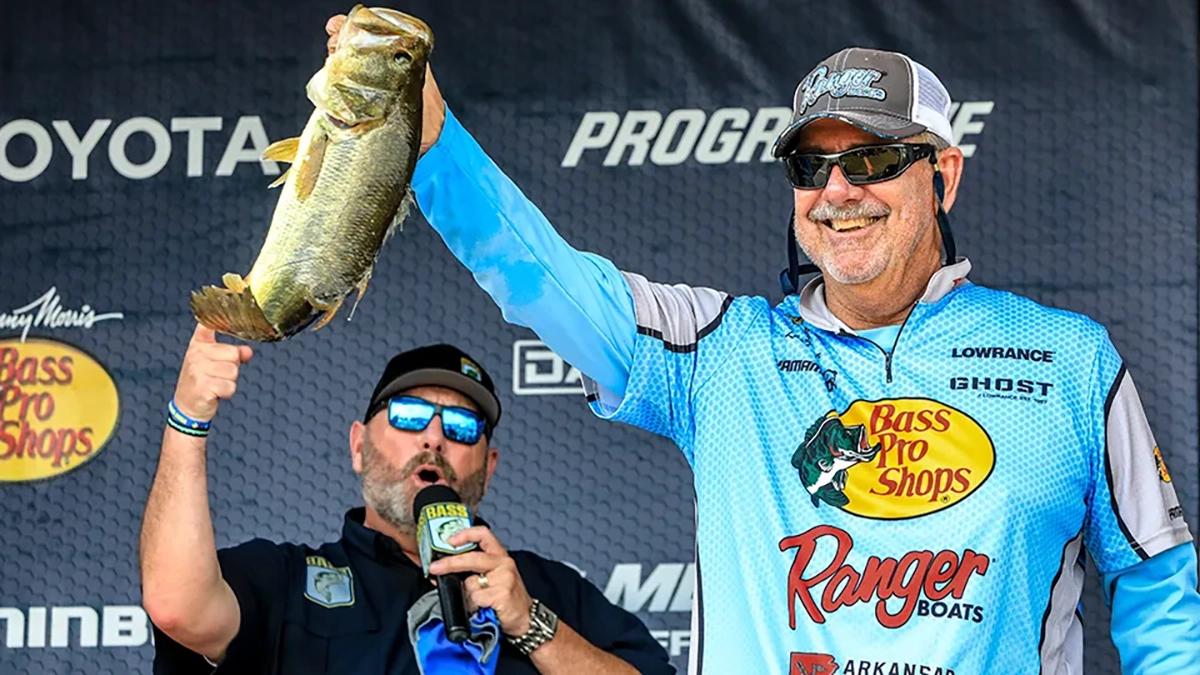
234	313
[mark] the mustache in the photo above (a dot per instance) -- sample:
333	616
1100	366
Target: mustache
827	211
433	458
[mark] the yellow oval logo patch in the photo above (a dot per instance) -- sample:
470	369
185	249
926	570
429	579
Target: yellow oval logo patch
895	458
58	408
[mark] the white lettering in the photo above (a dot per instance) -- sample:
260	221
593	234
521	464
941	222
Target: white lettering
50	314
692	121
111	626
125	626
247	129
729	134
636	131
60	626
195	128
80	149
120	137
718	145
767	125
36	637
963	123
595	131
625	586
538	370
43	150
674	641
14	627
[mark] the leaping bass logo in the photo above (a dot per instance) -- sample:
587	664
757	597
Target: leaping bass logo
327	585
849	82
894	459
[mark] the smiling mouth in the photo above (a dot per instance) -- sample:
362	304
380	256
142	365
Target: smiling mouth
851	224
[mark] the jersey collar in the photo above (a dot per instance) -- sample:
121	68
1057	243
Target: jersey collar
814	310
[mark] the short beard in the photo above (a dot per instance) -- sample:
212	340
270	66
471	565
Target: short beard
829	266
388	492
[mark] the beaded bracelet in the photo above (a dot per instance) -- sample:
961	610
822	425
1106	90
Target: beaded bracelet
184	424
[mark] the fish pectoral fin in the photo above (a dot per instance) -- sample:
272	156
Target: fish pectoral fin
234	282
282	151
308	169
330	311
282	178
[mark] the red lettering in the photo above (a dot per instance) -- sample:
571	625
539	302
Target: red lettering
799	587
941	571
914	574
904	422
812	664
8	364
943	417
85	439
923	421
972	563
27	371
8	440
962	477
65	366
885	479
48	370
881	418
942	480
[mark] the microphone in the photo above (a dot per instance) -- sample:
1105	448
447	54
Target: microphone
440	513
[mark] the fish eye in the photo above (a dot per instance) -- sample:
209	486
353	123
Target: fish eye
401	57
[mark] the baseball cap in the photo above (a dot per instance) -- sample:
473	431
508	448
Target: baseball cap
438	365
883	93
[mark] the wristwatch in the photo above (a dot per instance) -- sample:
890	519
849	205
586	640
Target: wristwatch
542	625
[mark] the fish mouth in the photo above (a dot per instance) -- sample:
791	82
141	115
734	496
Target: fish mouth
337	122
851	224
383	22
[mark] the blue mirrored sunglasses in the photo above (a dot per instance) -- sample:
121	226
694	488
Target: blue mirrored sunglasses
461	425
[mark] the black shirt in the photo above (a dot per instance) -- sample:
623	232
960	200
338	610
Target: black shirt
343	608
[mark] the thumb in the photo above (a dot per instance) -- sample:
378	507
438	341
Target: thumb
204	334
244	353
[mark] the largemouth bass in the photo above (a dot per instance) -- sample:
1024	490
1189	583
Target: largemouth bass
347	188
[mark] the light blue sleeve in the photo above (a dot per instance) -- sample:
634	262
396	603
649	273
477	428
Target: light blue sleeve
578	303
1156	613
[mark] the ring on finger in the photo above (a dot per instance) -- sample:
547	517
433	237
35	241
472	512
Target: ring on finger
483	580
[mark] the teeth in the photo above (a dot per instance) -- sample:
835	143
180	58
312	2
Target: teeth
852	224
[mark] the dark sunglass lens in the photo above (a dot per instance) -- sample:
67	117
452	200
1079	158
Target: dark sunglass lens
872	165
806	172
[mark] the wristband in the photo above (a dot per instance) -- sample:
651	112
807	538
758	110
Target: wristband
184	424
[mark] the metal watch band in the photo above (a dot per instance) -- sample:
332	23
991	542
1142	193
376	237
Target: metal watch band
543	624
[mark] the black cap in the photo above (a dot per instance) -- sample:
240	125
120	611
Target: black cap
437	366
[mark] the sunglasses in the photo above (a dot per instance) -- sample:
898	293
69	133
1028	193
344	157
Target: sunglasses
461	425
861	166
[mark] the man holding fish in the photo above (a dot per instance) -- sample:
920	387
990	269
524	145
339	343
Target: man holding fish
365	603
940	525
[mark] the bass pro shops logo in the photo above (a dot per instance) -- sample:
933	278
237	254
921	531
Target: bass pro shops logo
894	459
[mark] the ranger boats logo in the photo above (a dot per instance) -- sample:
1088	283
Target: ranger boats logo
894	459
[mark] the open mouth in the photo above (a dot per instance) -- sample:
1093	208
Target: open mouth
429	475
337	122
851	224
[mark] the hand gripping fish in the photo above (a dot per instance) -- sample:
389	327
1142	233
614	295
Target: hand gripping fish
347	188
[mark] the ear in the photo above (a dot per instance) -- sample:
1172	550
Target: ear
493	458
950	163
358	432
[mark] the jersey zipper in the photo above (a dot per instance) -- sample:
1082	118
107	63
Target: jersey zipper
887	355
